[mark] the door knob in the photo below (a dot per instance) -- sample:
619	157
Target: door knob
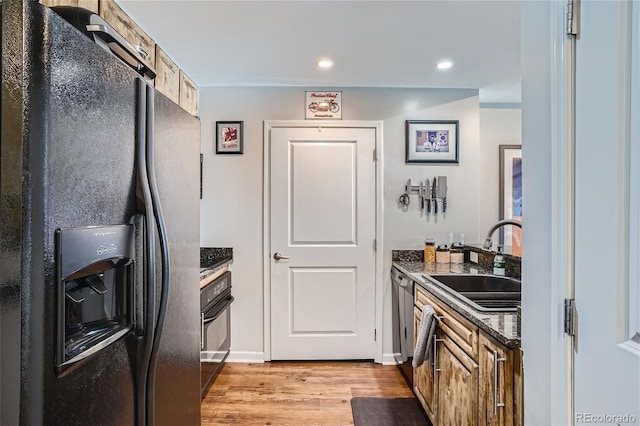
278	256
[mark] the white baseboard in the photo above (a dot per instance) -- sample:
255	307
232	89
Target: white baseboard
246	357
391	359
258	357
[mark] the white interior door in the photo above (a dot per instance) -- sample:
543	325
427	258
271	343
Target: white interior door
607	353
323	204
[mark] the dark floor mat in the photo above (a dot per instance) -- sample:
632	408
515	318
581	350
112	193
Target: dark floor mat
388	412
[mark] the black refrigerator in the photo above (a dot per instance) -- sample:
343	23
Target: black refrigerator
99	232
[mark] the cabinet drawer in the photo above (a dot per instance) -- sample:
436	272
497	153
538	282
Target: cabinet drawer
459	329
123	24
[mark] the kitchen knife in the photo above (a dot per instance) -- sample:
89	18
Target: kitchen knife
434	195
421	195
442	191
428	197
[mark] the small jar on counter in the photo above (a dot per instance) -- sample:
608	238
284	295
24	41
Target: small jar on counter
457	253
443	255
429	250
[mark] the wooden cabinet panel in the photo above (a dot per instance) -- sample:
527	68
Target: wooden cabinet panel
469	362
459	329
123	24
167	76
457	385
421	297
52	3
518	388
424	379
188	94
496	383
92	5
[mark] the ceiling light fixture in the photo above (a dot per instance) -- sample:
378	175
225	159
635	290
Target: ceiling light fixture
443	65
325	63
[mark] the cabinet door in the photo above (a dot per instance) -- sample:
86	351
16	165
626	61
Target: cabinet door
167	76
496	383
457	385
424	379
188	94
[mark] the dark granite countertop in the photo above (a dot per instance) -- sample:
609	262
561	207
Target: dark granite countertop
502	326
210	270
213	259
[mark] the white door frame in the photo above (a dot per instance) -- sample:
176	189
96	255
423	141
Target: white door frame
266	218
545	22
562	216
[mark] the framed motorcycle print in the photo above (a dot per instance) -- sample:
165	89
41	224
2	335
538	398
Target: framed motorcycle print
431	141
229	136
323	105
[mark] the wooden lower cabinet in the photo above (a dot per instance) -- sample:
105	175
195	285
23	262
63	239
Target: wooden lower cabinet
424	379
461	392
457	385
496	383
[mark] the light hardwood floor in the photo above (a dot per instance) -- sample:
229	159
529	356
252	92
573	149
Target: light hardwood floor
296	393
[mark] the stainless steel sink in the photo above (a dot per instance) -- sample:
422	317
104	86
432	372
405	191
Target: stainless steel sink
486	293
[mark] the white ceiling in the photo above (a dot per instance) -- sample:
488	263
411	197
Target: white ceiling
373	43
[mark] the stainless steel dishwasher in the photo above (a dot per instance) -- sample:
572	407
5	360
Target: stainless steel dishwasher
403	287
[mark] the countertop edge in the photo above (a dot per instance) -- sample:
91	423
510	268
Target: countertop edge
205	272
483	320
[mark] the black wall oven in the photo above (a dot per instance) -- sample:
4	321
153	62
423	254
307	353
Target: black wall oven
215	328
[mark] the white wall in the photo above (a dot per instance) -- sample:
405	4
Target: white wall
231	209
498	126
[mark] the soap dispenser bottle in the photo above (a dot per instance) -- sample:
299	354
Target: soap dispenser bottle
498	263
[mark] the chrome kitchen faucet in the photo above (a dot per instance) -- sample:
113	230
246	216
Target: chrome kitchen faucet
487	241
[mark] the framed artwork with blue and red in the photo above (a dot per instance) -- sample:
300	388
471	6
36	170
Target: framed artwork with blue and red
432	141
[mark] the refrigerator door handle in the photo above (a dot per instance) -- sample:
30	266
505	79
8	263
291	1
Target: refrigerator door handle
148	256
164	255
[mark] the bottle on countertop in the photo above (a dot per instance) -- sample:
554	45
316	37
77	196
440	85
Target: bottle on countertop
429	250
498	263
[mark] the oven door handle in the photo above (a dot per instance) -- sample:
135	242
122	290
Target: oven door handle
216	310
201	331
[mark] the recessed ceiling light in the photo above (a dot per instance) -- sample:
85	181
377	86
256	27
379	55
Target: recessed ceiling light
443	65
325	63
